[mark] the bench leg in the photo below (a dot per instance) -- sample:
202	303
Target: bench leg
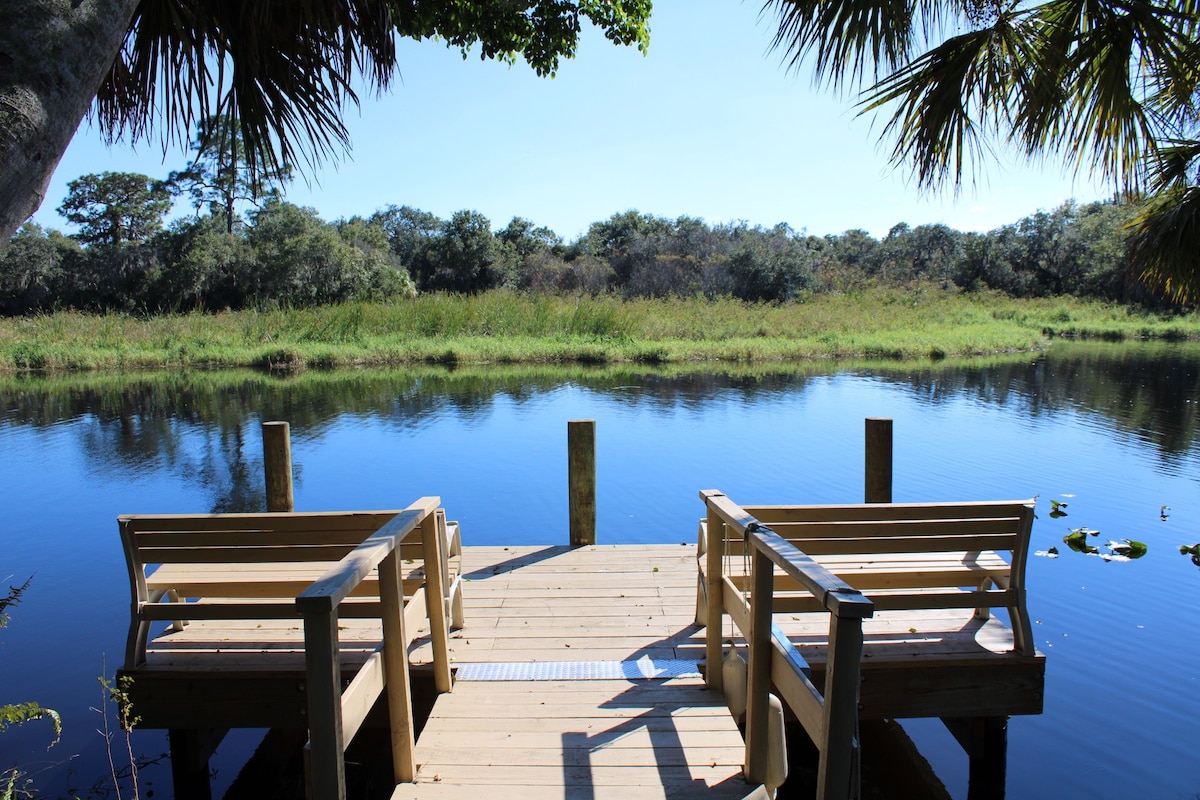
190	751
458	619
985	739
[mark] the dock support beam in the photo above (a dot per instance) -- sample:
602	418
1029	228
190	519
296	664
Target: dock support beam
985	739
190	751
581	480
277	463
877	486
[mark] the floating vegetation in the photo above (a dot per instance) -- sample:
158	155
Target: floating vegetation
1125	549
1117	549
1077	541
1193	551
1164	512
1051	553
1056	509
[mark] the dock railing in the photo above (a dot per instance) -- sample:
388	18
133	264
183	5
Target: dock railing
830	717
334	715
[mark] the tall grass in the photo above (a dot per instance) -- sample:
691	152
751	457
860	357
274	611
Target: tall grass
501	327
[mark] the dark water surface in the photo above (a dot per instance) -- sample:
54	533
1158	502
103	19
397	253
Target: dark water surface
1109	429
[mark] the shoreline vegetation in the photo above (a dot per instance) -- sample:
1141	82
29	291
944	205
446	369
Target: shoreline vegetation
502	327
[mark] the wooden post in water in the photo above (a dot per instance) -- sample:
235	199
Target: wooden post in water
277	463
878	483
581	480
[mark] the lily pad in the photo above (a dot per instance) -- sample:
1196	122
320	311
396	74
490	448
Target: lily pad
1128	548
1077	541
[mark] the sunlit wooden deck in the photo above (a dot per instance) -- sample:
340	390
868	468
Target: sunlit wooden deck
572	673
626	738
596	603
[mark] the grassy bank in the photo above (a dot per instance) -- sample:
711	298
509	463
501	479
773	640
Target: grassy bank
502	328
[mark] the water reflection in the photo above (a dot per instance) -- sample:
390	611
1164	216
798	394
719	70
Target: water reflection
195	424
1149	391
1111	428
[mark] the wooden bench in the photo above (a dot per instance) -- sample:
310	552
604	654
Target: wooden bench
218	637
935	572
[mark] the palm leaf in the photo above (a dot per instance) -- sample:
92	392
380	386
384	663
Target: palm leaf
1174	166
953	99
1164	243
848	39
282	71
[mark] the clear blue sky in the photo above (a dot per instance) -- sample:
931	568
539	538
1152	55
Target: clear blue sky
709	124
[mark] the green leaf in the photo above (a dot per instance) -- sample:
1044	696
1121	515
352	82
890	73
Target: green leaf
1077	541
21	713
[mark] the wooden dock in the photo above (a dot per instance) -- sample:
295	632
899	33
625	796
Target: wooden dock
631	738
574	673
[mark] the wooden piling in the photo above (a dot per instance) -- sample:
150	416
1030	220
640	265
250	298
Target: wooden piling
878	477
277	463
581	480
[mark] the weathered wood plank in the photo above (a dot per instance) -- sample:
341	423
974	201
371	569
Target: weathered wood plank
732	788
671	738
644	738
772	514
309	520
695	779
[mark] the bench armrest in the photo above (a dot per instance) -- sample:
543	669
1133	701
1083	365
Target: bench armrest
341	579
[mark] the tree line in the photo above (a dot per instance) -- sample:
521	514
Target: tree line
124	257
1112	90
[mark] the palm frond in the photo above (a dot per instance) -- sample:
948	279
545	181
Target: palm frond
1174	165
1164	243
282	71
1110	78
953	99
847	40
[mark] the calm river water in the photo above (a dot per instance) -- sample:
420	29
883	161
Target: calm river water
1111	430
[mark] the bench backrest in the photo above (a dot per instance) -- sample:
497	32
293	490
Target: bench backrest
910	555
250	538
898	528
242	539
250	557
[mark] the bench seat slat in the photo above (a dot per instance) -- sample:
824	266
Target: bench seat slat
901	579
248	609
266	589
896	527
851	545
369	521
803	603
248	537
771	514
205	609
228	555
856	545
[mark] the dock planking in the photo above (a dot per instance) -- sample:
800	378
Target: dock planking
594	603
594	739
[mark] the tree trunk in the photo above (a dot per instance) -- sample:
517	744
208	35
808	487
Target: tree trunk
53	56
